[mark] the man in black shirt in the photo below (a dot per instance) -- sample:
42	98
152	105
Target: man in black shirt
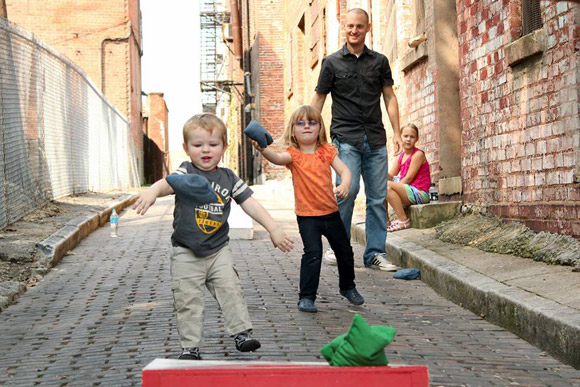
357	77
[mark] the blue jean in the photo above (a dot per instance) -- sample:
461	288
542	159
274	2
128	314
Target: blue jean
372	166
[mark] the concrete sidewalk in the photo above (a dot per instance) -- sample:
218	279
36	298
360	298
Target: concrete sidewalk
536	301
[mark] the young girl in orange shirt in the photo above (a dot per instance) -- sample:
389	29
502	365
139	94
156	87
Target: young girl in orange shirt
309	157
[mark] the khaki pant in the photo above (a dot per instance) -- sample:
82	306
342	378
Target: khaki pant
189	275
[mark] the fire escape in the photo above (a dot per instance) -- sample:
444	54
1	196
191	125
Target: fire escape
213	59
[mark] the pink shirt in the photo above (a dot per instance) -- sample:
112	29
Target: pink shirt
422	180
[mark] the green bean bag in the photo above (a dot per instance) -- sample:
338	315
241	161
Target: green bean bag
362	345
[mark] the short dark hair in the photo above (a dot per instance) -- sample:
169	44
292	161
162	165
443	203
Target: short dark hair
360	10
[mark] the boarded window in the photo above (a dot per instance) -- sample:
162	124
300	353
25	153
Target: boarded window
531	16
390	42
418	16
316	26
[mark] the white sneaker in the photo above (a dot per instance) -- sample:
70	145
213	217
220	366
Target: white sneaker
329	257
380	263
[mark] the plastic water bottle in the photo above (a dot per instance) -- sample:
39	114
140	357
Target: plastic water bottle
114	223
433	194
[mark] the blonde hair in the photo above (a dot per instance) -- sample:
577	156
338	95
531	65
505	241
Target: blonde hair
311	113
412	126
208	122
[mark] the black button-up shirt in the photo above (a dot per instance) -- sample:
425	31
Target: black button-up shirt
356	86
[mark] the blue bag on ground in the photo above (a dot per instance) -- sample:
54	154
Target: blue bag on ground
407	274
258	133
192	189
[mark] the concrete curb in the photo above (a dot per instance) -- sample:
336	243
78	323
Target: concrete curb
546	324
51	250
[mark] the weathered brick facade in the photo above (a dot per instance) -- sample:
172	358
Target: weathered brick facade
102	38
497	111
267	42
519	113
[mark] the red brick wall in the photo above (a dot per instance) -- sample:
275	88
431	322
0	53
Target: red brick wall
520	122
267	69
95	36
158	122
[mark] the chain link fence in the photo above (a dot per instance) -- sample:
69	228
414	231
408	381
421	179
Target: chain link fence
58	134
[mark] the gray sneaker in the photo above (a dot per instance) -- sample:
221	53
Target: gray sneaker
379	262
307	305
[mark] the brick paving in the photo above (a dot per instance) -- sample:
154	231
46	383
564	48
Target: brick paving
105	312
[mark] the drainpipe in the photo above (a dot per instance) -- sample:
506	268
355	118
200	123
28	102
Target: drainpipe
104	43
236	29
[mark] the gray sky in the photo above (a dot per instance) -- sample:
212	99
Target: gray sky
170	62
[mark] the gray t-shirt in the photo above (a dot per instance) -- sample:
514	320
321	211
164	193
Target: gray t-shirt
204	229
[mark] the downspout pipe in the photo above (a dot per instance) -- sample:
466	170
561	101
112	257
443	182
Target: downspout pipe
104	43
236	29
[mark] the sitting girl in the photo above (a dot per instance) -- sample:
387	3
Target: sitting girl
415	179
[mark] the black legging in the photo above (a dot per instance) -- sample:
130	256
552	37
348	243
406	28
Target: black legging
312	228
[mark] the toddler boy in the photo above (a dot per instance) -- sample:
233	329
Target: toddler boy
200	254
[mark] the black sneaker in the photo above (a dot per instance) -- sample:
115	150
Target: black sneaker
190	354
353	296
244	343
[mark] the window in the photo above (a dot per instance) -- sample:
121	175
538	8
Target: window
390	36
531	16
418	17
317	33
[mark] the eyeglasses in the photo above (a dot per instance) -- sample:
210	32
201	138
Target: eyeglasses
302	124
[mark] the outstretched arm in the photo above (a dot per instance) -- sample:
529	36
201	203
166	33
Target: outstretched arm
147	198
257	212
393	112
345	177
272	156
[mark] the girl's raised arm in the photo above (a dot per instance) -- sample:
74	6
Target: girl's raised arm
272	156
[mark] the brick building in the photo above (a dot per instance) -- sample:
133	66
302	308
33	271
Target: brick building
102	38
519	88
156	138
492	85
